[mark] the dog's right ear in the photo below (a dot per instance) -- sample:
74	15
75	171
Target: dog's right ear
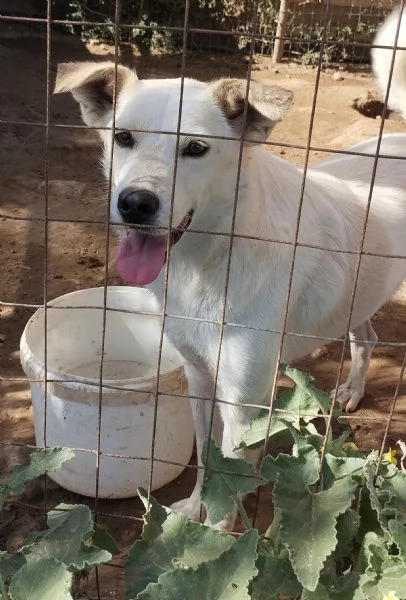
266	105
92	86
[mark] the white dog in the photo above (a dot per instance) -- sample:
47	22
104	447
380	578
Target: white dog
147	153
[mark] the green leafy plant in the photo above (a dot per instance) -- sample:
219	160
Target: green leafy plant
337	524
44	567
42	461
338	530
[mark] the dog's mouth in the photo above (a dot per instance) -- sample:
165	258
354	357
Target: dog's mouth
177	233
142	254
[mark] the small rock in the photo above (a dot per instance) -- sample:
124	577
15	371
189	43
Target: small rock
338	76
2	338
276	71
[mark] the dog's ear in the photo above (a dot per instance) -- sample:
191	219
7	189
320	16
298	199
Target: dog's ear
267	104
92	86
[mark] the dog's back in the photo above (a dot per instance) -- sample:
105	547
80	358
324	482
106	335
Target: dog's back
382	60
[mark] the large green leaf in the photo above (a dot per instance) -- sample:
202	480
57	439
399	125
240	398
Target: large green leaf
224	578
169	541
391	491
257	432
303	400
375	586
383	572
304	381
67	539
334	588
309	519
304	467
372	553
275	575
9	565
335	446
398	532
41	461
43	579
346	529
374	498
393	577
227	479
337	467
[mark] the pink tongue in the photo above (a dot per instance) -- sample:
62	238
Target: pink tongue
141	257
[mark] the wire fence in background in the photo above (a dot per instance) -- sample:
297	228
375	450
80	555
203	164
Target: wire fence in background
225	27
315	33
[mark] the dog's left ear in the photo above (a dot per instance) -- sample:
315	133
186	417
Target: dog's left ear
267	104
92	85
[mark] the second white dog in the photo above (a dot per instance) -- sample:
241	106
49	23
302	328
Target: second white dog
147	153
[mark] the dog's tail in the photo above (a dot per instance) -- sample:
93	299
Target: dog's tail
382	60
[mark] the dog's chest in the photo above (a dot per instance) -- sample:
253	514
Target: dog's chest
193	316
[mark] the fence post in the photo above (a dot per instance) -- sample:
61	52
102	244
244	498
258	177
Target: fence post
280	32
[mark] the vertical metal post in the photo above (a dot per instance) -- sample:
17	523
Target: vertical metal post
279	46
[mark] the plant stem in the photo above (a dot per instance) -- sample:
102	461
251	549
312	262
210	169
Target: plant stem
243	514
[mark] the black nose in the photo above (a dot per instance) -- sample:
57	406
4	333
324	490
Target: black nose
137	206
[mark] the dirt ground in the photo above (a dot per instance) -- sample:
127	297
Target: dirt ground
76	251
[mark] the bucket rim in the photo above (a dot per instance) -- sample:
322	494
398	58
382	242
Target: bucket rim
33	366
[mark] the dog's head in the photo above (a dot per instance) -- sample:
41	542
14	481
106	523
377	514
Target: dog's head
171	140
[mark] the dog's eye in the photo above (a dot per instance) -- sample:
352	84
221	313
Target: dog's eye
195	148
124	139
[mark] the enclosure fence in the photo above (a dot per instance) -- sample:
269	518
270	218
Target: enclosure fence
314	31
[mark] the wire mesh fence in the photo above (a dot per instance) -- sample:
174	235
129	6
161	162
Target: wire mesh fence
222	26
316	34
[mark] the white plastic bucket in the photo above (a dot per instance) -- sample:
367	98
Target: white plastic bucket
131	345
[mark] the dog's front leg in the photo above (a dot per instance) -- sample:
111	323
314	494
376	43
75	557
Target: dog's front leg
236	420
247	367
200	385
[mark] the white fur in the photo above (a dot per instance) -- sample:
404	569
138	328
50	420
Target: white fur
382	60
269	192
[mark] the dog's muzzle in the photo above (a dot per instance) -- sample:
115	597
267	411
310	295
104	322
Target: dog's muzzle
142	253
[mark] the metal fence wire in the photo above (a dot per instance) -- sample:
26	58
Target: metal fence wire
316	33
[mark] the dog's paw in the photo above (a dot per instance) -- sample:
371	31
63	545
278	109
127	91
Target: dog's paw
348	395
189	506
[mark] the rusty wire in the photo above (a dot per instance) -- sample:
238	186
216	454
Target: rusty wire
166	276
177	29
295	246
362	241
46	217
